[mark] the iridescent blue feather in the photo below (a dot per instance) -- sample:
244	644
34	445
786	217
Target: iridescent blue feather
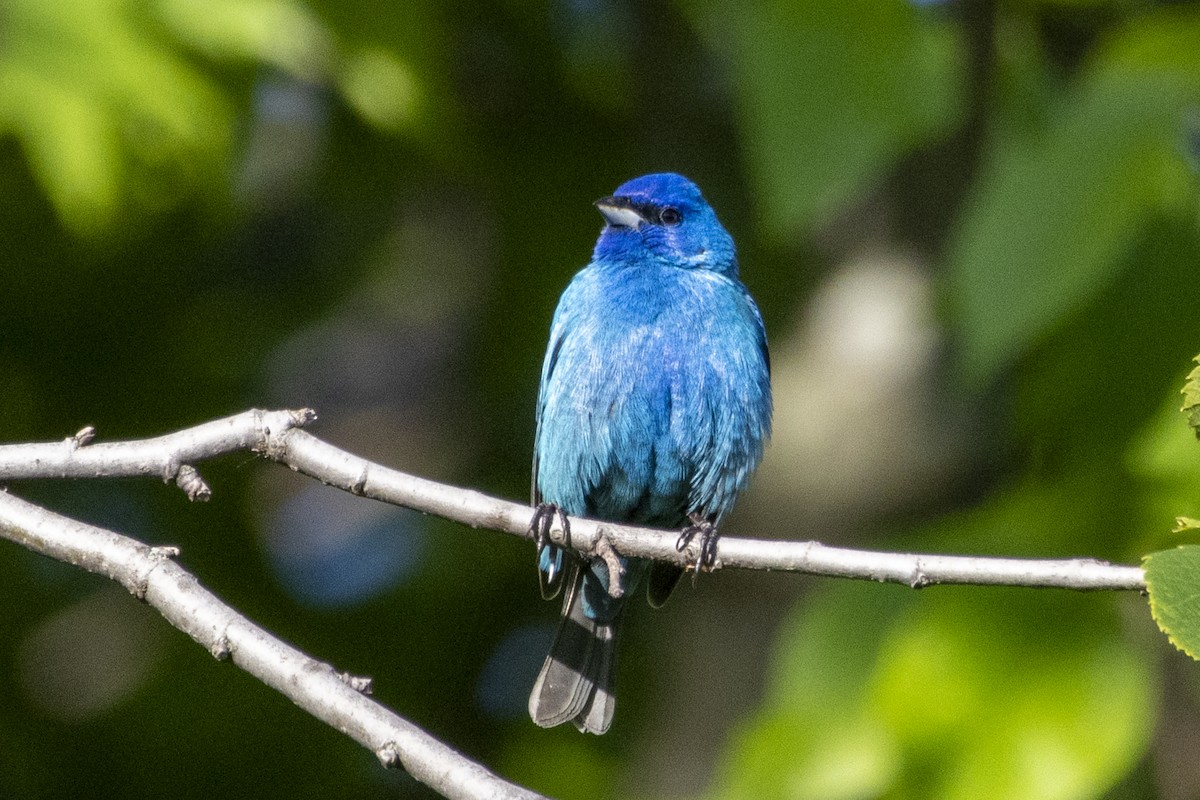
654	407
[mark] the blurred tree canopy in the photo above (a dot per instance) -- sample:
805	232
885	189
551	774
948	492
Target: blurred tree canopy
972	227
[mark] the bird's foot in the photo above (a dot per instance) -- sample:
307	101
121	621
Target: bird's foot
543	523
616	569
707	531
548	519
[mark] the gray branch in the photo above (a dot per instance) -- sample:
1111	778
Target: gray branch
337	699
334	698
336	467
277	436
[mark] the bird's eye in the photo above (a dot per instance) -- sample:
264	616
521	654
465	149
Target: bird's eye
670	216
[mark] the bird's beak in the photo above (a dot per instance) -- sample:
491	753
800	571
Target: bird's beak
620	211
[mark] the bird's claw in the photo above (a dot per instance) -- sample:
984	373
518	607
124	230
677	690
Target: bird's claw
707	532
547	520
542	523
616	568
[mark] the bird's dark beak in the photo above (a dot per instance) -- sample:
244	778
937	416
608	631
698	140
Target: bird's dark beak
620	211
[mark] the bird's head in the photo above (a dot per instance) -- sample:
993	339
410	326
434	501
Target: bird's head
664	217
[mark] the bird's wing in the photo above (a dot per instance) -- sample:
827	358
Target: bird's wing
760	329
551	569
557	336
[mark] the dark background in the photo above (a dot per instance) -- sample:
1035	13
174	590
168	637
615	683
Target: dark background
972	230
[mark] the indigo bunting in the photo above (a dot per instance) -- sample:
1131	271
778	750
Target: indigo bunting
654	407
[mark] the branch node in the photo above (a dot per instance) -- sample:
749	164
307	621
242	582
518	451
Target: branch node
559	531
221	649
170	469
268	444
612	560
82	437
363	684
155	555
188	479
360	483
389	755
918	579
302	417
809	546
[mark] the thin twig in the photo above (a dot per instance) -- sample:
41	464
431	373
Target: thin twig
335	698
276	435
80	456
336	467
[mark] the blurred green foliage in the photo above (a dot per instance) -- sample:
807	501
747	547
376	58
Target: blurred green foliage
371	208
1060	201
874	81
957	696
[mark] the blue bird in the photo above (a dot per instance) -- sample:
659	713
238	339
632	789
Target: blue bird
654	407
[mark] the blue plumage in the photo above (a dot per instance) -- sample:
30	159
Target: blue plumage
654	406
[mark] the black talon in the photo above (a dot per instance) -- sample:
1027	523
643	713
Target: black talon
708	550
551	569
707	530
543	522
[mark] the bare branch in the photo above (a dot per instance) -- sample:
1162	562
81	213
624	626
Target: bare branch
337	699
341	699
336	467
275	434
163	456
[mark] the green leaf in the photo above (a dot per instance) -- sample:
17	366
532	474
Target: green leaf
380	87
559	764
1173	582
788	755
992	694
815	736
1004	699
834	93
1191	398
1164	460
281	33
110	116
1057	207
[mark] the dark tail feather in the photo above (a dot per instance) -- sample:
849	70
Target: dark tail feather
575	683
663	578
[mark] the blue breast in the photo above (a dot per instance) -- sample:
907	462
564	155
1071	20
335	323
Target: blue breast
655	398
